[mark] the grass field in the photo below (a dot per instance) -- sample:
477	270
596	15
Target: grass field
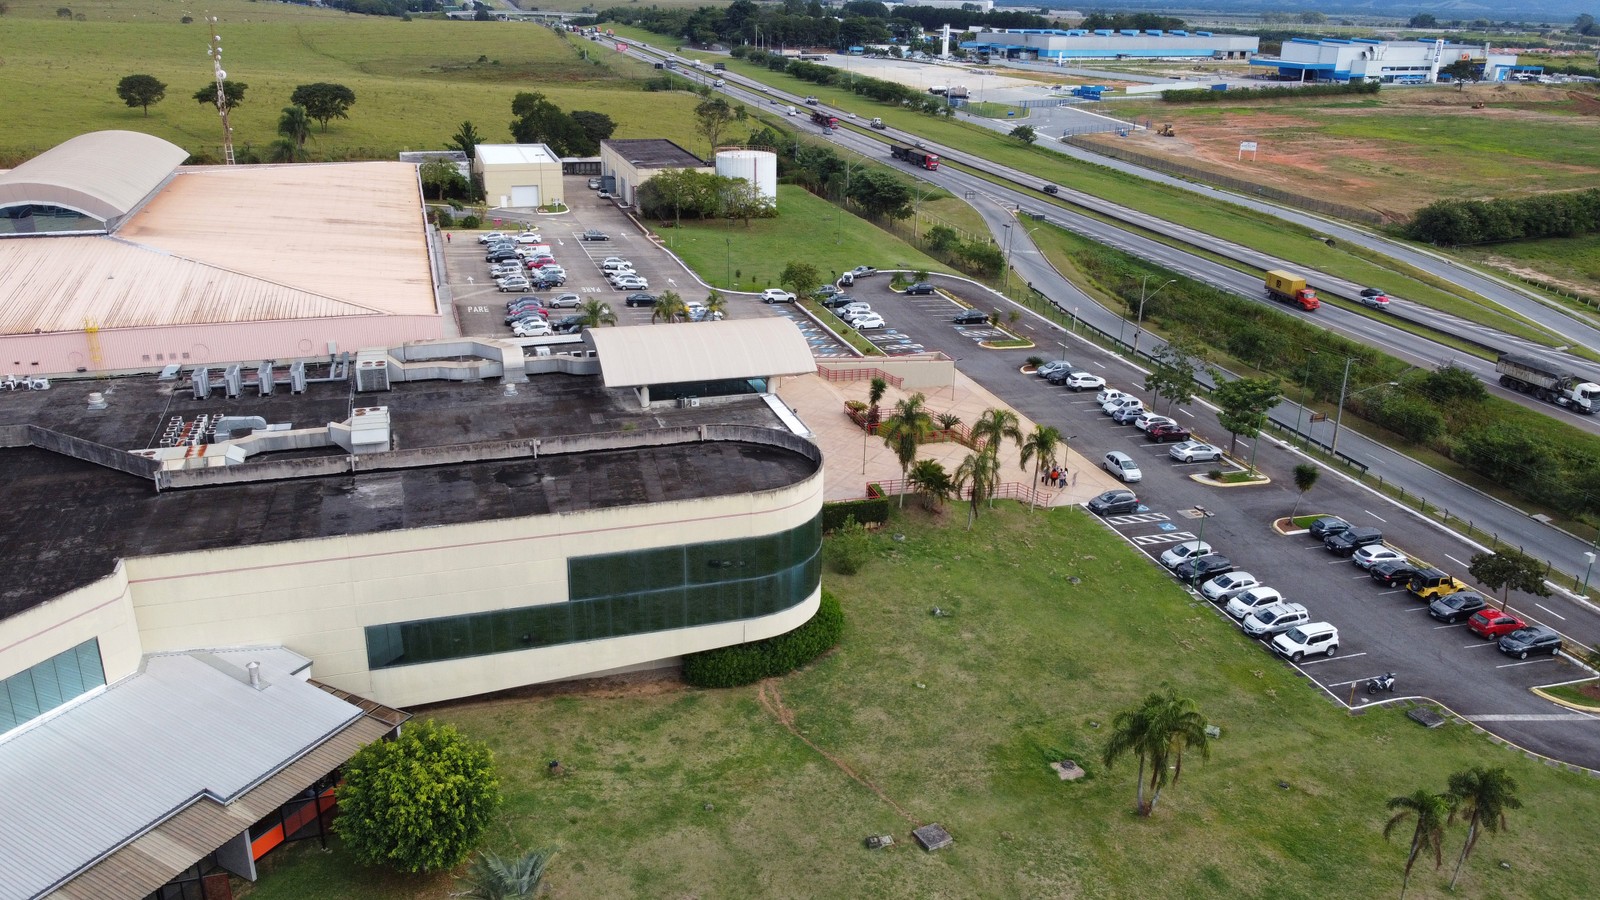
414	81
685	793
809	229
1571	264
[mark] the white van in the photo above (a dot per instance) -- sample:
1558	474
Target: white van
792	111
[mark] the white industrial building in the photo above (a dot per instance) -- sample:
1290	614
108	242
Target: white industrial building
1387	62
1077	43
519	175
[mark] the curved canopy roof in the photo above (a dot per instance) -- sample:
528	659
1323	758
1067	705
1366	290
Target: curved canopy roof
106	174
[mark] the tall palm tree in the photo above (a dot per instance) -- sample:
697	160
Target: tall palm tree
716	305
876	388
994	426
978	474
1040	446
669	308
931	480
594	313
495	877
1432	812
904	431
1157	731
295	125
1483	796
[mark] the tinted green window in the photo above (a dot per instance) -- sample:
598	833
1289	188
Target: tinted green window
618	594
40	688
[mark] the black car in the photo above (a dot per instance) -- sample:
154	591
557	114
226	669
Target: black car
1459	605
1533	639
1114	503
1350	540
838	301
1050	189
1392	572
826	292
567	325
1373	292
497	256
1060	376
1328	525
972	317
641	300
1203	568
546	282
921	287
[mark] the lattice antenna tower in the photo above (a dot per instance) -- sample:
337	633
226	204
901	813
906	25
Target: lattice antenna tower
215	52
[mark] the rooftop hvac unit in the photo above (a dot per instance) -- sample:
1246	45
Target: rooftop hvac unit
694	402
297	377
266	378
201	379
233	381
372	372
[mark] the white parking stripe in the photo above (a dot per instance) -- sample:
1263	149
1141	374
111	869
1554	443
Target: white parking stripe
1477	645
1525	662
1332	659
1454	560
1375	515
1551	611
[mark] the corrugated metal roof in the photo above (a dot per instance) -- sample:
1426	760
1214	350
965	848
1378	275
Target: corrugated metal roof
700	351
184	728
515	154
103	173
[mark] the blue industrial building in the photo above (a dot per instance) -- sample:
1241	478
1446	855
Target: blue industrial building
1057	44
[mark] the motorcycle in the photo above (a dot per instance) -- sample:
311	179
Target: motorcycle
1384	682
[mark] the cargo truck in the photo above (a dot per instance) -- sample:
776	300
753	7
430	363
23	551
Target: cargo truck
826	120
1287	287
920	158
1547	381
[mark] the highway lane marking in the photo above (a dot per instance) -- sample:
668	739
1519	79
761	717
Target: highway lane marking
1375	515
1332	659
1551	611
1454	560
1525	663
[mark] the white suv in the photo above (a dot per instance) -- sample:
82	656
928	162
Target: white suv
776	295
1189	550
1301	640
1247	602
1275	619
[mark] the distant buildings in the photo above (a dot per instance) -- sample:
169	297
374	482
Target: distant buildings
1055	44
1387	62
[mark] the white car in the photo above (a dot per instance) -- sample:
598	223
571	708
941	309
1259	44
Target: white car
501	270
1051	367
1275	619
493	236
1185	551
1122	465
1226	587
614	261
851	310
776	295
1112	407
605	195
867	320
1302	640
1150	420
1195	451
1108	395
631	283
531	328
530	237
697	313
615	277
1372	554
552	271
1084	381
1259	597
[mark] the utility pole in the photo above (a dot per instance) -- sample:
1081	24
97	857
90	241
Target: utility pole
1143	283
1339	418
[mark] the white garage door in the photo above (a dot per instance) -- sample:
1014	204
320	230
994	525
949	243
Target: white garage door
525	195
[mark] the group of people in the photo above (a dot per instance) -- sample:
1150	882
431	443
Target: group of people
1056	477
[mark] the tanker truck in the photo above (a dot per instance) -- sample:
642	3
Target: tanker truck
1547	381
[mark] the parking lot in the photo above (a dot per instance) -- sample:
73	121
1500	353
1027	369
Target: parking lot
1380	629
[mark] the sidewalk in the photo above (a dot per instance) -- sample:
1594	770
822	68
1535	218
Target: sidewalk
851	458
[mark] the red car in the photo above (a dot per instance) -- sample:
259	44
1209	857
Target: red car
1167	433
1491	623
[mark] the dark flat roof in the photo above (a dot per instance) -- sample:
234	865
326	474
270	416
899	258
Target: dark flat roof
655	153
68	521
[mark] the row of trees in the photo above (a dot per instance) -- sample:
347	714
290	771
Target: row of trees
540	121
322	101
882	91
1477	795
675	193
807	23
1459	222
878	193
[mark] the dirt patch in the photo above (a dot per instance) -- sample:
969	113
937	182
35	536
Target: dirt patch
652	683
1523	270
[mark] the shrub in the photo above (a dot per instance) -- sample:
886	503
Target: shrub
470	223
749	663
835	515
847	550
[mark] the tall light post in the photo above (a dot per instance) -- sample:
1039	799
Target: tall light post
1305	393
1139	322
1006	289
1334	447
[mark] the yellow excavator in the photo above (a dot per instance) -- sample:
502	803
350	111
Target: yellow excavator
1166	130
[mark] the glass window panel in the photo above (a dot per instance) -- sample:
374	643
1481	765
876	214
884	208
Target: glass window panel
46	685
94	673
24	701
8	716
67	674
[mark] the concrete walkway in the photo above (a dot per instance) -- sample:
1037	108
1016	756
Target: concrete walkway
851	459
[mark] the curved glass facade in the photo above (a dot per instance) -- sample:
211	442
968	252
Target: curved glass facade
618	594
38	218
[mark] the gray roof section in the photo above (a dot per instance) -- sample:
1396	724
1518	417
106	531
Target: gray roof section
187	726
635	355
106	174
655	153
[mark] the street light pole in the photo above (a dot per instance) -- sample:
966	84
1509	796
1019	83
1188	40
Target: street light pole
1589	554
1305	394
1143	283
1006	289
1339	418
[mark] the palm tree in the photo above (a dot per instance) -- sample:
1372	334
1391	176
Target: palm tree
1158	730
978	474
947	421
904	432
669	308
876	388
992	427
595	312
495	877
295	125
931	480
716	305
1305	478
1432	812
1483	796
1040	447
285	150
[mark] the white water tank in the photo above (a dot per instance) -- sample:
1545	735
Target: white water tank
759	167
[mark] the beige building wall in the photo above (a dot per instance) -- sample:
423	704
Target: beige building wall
317	596
499	179
101	610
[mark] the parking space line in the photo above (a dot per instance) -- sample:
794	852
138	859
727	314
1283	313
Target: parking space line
1351	681
1551	611
1332	659
1387	593
1442	627
1527	662
1454	560
1375	515
1477	645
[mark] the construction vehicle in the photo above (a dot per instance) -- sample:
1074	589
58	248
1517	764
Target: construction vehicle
1287	287
920	158
957	92
877	123
1166	130
826	120
1548	382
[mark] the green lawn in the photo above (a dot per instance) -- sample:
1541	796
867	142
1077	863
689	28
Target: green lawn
1573	263
807	228
678	792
